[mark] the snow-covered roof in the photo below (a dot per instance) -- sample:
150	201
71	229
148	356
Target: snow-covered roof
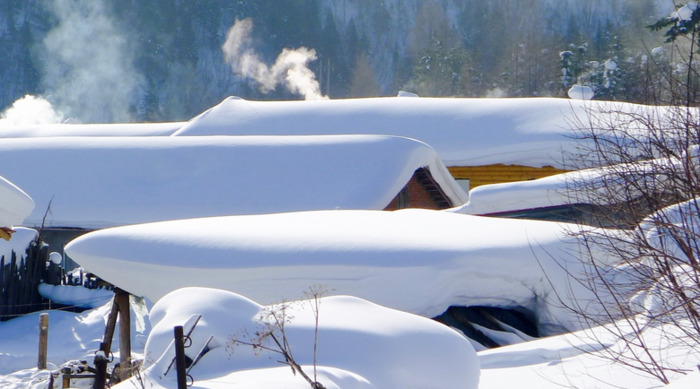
552	191
15	204
75	129
93	182
442	259
464	131
576	187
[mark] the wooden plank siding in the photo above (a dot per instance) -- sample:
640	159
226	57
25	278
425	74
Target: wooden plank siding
498	173
421	192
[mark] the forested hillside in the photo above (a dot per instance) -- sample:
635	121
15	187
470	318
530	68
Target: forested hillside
136	60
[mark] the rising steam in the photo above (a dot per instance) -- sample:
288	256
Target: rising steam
290	68
30	110
89	72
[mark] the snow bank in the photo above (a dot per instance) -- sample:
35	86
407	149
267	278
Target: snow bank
78	296
592	358
360	344
417	261
15	204
93	182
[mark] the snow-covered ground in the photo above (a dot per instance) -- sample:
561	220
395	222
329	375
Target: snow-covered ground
361	345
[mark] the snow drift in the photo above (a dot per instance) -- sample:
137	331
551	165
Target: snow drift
360	344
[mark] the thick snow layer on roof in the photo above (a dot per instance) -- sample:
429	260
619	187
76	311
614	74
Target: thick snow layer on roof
417	261
72	129
464	131
525	131
93	182
555	190
15	204
577	187
360	344
513	196
20	241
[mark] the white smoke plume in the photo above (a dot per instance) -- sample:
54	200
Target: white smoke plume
89	72
290	68
30	110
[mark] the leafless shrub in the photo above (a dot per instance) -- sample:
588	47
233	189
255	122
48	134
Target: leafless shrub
271	335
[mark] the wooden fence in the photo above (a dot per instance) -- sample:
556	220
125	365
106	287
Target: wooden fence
20	277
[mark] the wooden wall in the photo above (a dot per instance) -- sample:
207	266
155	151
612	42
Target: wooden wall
421	192
498	173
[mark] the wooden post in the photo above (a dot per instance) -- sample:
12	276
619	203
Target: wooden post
180	358
122	299
43	340
101	360
66	372
111	325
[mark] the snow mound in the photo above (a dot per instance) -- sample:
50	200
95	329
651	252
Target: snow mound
360	344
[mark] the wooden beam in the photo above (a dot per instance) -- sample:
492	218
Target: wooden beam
122	299
43	340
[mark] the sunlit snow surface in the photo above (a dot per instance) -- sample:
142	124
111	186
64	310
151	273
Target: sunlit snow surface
419	261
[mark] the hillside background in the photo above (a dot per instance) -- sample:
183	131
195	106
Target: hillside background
108	61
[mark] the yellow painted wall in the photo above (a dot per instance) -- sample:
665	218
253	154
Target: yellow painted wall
494	174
